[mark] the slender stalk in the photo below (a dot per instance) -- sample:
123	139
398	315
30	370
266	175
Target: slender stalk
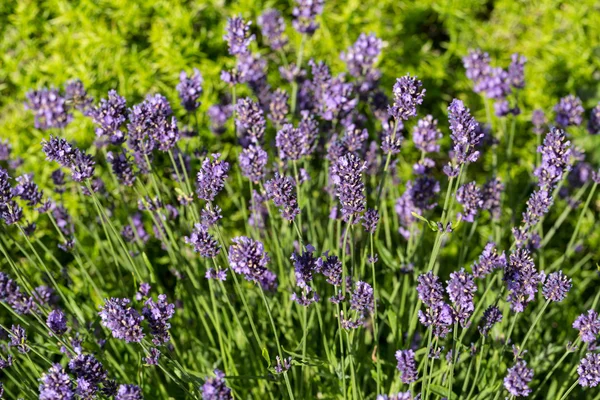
285	375
537	319
573	386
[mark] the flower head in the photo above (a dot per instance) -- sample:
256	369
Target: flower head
253	160
109	115
430	289
190	89
466	134
406	365
588	326
556	152
211	177
282	190
86	366
273	27
426	135
216	388
556	287
569	111
57	322
594	121
489	260
517	379
56	384
49	107
250	120
407	95
123	321
238	36
158	313
491	316
350	188
248	257
305	13
589	370
469	196
129	392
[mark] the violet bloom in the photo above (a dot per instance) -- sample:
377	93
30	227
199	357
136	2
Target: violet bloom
556	152
305	265
556	286
238	36
56	384
489	260
248	257
209	216
253	161
594	121
289	143
569	111
538	205
331	268
439	317
123	321
426	135
469	196
589	370
27	190
350	188
5	149
57	322
588	326
86	366
250	120
216	388
219	114
77	97
430	289
108	116
18	338
151	125
517	379
538	119
203	242
190	89
129	392
407	95
491	193
477	65
282	190
122	167
522	279
516	71
354	138
58	150
362	300
423	192
211	177
370	220
272	26
360	61
466	135
49	107
305	13
391	143
278	106
158	315
406	365
491	316
461	288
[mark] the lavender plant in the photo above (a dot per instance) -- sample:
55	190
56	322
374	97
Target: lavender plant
375	264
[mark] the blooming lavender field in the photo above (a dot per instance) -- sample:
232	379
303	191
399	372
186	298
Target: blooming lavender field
297	228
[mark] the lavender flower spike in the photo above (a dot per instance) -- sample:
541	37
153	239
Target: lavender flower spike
406	365
556	287
190	89
466	134
253	161
129	392
123	320
407	95
517	379
238	36
588	326
211	178
273	28
56	384
589	370
216	388
282	190
569	111
469	195
305	13
350	188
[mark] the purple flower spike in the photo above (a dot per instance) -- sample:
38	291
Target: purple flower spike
278	106
123	321
489	260
517	379
190	89
589	370
477	65
129	392
108	116
77	97
350	188
426	135
469	196
216	388
466	134
50	108
556	152
305	13
407	96
248	257
273	27
158	315
56	384
282	190
588	326
211	177
594	122
57	322
203	242
430	289
516	71
406	365
556	287
491	316
370	220
253	161
250	120
238	36
569	111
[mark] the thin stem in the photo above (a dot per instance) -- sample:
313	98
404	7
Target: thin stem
537	319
